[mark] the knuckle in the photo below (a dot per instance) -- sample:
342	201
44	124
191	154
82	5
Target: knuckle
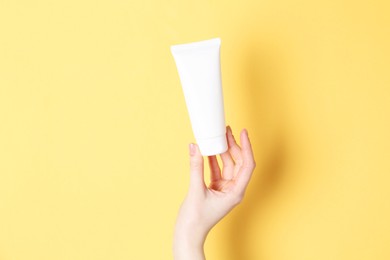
250	165
195	164
195	168
239	161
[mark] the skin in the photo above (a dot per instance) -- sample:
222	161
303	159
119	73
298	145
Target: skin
204	206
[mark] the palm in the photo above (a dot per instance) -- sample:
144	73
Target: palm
221	185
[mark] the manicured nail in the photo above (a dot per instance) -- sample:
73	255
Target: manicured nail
192	149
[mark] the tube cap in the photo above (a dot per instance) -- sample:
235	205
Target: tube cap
213	146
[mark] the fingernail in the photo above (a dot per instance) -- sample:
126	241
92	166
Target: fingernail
246	132
192	149
229	129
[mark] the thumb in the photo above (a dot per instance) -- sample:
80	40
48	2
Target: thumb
196	169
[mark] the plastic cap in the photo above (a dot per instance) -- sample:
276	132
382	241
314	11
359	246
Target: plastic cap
213	146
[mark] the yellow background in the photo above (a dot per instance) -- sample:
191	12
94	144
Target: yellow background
94	128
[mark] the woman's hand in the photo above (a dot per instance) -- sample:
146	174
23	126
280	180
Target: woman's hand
204	206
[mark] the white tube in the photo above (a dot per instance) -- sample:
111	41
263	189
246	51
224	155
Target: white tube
198	64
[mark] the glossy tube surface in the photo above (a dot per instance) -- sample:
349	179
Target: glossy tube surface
198	64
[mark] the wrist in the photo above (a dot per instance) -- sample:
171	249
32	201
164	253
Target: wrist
188	243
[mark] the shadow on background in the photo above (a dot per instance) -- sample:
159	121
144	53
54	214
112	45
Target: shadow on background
262	68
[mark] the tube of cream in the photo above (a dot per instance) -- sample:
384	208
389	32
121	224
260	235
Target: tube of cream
198	64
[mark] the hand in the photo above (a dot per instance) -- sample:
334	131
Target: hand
204	206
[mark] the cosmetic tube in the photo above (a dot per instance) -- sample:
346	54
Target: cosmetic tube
199	68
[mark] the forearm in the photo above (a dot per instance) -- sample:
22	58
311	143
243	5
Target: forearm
188	245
